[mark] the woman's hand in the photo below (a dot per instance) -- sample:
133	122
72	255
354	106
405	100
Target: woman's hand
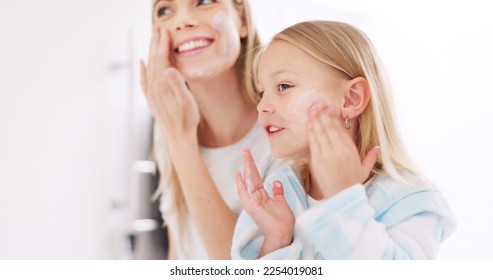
335	162
169	99
272	215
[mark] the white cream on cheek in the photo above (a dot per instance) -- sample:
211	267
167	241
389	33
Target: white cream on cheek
229	35
218	19
297	110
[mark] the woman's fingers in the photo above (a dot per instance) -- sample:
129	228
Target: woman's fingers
163	47
153	47
143	77
177	85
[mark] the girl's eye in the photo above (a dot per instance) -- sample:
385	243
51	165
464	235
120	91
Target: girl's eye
283	86
205	2
164	11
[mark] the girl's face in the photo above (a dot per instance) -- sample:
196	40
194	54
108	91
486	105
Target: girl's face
290	81
204	35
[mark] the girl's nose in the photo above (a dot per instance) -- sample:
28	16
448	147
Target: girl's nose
264	107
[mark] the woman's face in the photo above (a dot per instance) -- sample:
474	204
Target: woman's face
290	81
204	35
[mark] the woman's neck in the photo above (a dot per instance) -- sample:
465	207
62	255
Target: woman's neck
226	116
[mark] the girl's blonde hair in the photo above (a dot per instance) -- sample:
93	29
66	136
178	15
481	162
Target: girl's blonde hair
348	51
169	183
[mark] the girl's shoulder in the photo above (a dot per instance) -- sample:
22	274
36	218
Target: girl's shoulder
395	200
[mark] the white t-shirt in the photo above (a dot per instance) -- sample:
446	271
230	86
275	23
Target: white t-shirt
222	164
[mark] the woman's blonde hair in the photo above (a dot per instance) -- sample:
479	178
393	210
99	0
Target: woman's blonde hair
348	51
169	183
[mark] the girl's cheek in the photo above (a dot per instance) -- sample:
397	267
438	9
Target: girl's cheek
298	108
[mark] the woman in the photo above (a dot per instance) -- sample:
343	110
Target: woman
199	91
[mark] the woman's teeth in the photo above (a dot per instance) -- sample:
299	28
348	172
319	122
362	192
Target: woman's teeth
193	45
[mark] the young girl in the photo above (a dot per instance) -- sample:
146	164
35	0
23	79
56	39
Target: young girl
355	194
199	90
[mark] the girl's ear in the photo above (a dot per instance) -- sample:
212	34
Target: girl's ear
356	99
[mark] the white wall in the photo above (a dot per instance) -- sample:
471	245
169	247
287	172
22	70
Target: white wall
64	126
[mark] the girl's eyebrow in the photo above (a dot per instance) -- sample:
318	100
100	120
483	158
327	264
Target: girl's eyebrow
284	71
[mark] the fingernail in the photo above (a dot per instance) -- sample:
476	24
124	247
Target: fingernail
314	108
277	184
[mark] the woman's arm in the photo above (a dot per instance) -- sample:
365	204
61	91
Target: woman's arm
177	115
171	246
215	221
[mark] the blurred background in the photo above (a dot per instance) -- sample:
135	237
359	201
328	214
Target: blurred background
75	182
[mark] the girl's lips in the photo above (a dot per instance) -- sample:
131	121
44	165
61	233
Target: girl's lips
272	129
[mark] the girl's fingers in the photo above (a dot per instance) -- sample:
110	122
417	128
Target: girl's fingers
241	188
313	140
253	181
278	191
317	129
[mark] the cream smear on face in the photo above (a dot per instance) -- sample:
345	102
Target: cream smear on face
229	37
230	42
298	109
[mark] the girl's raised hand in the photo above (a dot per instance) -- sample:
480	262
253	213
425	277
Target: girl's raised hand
271	214
170	101
335	162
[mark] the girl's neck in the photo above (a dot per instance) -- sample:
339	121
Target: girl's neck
313	189
226	116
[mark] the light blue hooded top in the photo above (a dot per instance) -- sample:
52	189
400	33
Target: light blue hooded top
383	219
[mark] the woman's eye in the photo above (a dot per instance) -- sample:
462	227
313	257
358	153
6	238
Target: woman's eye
205	2
283	86
164	11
